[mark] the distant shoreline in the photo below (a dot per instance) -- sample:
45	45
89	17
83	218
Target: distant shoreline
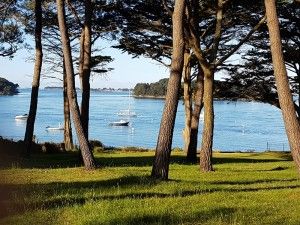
92	89
215	99
160	97
149	97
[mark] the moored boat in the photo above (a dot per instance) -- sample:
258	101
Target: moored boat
119	123
60	127
21	117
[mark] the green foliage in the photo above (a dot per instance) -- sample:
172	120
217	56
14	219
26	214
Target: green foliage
10	32
246	188
7	87
232	90
141	89
254	79
153	89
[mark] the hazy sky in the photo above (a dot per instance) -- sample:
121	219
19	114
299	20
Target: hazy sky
127	71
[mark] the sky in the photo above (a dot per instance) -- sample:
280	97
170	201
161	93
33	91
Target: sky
127	71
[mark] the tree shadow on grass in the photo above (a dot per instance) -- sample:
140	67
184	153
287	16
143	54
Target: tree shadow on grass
140	161
223	160
249	182
41	161
10	152
10	157
167	218
71	159
65	194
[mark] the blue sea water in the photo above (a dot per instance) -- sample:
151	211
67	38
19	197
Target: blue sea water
244	126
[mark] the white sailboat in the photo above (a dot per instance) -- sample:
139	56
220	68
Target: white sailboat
21	117
127	112
120	123
60	127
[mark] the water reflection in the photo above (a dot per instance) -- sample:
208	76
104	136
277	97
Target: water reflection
20	123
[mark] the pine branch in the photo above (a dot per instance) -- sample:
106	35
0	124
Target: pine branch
246	38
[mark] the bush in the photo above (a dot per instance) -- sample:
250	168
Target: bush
49	147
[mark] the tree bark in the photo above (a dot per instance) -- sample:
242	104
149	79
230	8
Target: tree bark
36	78
187	98
284	93
68	138
297	107
160	169
88	159
86	69
208	126
80	66
198	105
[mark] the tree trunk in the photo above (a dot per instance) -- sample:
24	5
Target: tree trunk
86	69
36	77
284	93
160	167
88	159
68	138
80	65
297	107
186	133
208	127
198	104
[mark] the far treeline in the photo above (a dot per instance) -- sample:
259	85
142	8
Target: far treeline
239	40
223	90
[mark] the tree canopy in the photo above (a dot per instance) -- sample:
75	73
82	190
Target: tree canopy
10	30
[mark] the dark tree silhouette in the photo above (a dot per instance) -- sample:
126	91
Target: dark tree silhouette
10	31
160	167
283	88
36	77
88	159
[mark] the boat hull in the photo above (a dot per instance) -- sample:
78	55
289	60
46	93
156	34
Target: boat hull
120	123
55	128
21	117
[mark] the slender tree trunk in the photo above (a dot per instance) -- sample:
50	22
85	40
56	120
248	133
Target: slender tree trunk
36	77
186	133
86	69
160	167
297	107
68	138
198	104
80	66
284	93
297	104
87	155
208	127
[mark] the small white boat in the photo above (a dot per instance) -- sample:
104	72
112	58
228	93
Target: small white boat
60	127
120	123
21	117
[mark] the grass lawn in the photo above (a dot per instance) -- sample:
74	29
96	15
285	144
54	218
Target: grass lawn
246	188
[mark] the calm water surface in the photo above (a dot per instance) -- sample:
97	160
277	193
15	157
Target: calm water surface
238	125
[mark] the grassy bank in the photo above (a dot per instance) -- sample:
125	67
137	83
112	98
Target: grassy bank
246	188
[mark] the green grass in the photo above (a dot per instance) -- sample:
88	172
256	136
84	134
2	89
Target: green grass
246	188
